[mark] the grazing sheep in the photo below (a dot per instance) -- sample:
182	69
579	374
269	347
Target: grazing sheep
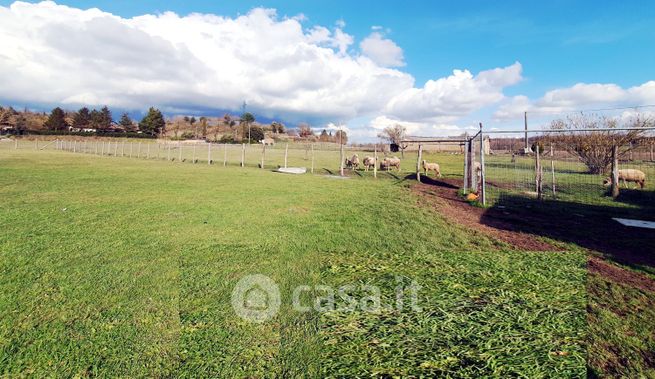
369	162
629	175
431	167
354	162
388	163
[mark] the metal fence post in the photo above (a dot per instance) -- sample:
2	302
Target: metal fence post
615	171
466	165
483	190
418	163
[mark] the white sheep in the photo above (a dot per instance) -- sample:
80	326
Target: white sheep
431	167
369	162
354	161
629	175
387	163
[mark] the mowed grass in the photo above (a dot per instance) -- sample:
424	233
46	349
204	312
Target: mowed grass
122	267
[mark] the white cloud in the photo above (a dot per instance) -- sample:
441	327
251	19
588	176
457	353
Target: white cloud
449	98
581	96
382	51
55	54
420	128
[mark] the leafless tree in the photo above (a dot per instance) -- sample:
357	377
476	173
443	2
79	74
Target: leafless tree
594	147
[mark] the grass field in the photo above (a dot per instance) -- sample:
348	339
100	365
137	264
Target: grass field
571	180
125	267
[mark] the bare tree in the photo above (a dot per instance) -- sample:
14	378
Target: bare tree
395	135
594	147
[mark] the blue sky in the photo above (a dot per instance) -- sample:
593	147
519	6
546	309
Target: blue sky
558	44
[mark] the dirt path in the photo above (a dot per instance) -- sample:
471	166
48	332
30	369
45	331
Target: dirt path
442	195
516	228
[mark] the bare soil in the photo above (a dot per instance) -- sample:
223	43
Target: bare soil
522	227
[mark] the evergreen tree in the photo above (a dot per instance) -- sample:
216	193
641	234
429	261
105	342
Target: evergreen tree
126	122
82	118
153	123
56	120
104	119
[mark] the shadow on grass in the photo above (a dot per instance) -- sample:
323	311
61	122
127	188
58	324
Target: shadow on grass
588	226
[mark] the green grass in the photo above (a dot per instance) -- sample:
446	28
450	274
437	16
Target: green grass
124	267
621	330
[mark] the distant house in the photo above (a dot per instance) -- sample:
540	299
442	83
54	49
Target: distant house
267	141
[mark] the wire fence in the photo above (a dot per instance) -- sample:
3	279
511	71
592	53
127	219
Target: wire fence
506	169
570	166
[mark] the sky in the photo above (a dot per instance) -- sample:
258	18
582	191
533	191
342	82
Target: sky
439	68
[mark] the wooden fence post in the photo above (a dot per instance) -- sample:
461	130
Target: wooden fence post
651	152
131	148
286	155
375	161
243	155
552	172
312	158
179	153
340	156
225	155
138	154
209	153
418	163
263	155
615	171
123	149
168	154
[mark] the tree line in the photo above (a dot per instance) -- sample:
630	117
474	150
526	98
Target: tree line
101	121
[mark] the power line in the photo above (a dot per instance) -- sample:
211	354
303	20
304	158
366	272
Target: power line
593	110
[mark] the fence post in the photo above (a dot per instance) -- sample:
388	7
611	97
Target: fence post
466	165
286	155
312	158
138	154
538	172
168	153
263	154
243	155
158	150
375	160
651	151
179	153
193	155
418	163
131	148
473	172
225	155
552	172
123	149
209	153
340	156
16	144
615	171
483	190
